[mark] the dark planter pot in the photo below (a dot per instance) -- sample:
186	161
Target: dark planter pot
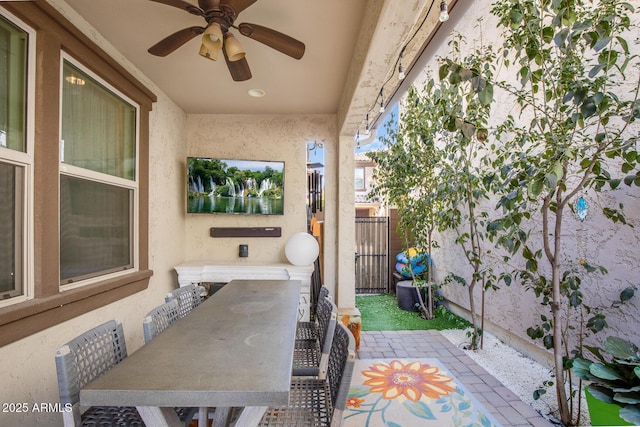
407	295
603	413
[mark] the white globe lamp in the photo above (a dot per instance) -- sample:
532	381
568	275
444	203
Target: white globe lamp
301	249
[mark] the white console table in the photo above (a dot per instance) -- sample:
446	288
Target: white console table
225	271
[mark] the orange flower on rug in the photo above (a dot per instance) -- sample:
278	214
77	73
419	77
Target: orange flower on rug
408	393
412	380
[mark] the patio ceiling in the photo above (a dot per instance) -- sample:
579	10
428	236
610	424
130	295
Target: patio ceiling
351	48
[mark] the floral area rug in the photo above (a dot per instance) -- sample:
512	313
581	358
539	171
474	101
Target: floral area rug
409	393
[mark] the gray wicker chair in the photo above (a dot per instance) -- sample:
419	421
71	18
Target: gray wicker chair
156	321
159	319
310	357
316	402
189	297
82	360
309	330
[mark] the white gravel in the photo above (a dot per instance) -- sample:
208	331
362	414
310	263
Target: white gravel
519	373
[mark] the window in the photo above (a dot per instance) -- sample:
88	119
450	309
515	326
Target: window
74	165
15	161
98	184
359	179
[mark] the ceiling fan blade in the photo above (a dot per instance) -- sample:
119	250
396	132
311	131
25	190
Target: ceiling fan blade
275	39
239	69
170	43
239	5
182	4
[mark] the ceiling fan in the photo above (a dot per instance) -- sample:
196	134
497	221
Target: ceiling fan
220	16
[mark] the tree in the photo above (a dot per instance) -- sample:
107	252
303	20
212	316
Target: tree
463	101
578	96
406	176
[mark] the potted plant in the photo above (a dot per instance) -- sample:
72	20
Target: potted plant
414	268
613	393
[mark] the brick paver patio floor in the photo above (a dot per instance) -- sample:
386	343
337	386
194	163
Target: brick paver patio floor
505	406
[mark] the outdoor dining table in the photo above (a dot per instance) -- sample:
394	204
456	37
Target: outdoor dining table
234	350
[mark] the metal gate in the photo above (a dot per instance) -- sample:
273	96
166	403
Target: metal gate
372	248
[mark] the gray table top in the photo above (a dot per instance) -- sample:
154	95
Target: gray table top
235	349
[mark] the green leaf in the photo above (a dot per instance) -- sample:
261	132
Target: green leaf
561	37
485	96
604	372
630	414
588	108
535	188
443	71
595	70
581	368
547	34
621	348
627	294
550	180
614	183
601	43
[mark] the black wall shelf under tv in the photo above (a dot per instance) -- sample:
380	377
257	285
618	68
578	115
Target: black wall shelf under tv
245	232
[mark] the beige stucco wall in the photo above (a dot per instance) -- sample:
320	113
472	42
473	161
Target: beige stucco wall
262	137
28	370
511	310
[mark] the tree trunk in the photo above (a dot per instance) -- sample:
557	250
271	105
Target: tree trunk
556	309
474	318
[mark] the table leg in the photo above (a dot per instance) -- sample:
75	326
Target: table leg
221	417
251	415
159	417
203	416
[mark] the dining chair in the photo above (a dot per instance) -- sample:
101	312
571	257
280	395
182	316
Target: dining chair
82	360
188	297
319	402
309	330
156	321
310	356
159	319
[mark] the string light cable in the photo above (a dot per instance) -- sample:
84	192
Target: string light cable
398	63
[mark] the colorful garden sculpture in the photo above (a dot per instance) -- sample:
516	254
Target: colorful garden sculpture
419	262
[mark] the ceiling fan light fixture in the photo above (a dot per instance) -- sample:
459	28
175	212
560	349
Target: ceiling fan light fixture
207	53
233	48
212	38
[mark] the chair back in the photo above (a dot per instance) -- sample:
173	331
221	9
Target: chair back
340	370
159	319
188	298
323	294
327	320
327	313
87	357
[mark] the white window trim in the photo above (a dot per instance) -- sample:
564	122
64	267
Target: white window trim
25	160
75	171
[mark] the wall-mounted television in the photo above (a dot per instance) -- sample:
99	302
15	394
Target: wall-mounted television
232	186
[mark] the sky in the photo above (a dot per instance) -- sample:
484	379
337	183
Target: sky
377	144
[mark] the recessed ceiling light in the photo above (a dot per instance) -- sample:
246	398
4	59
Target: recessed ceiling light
256	93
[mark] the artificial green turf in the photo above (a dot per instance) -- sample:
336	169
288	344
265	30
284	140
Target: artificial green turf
381	313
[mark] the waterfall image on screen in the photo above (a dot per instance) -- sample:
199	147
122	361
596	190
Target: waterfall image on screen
235	186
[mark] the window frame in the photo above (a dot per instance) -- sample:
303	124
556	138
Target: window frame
48	305
363	187
103	178
24	159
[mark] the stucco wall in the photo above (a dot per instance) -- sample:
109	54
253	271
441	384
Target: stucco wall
28	370
272	138
511	310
